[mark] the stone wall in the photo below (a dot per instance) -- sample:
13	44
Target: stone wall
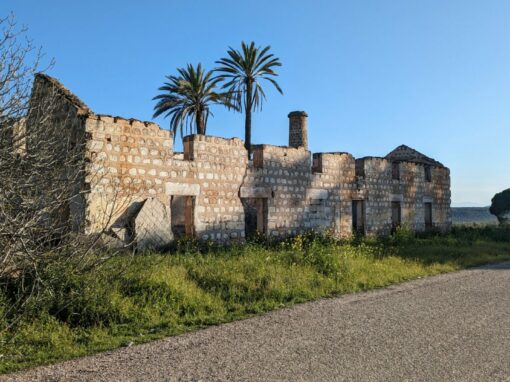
136	186
411	190
54	135
131	161
218	167
335	173
375	188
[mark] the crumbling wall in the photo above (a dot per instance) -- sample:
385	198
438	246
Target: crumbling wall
52	137
375	187
301	197
129	162
335	172
218	169
411	187
416	190
282	175
135	185
412	190
440	194
281	186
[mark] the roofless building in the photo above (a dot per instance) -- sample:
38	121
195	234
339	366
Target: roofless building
149	195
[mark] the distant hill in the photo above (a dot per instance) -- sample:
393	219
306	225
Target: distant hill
470	215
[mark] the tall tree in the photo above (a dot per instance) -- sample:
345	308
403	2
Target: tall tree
242	72
186	98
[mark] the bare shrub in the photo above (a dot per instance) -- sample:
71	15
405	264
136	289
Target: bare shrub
42	178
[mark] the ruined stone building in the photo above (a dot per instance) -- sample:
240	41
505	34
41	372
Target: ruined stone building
139	190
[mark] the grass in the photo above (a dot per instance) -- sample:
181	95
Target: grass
152	295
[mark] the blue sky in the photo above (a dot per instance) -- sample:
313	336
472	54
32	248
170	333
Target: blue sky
432	74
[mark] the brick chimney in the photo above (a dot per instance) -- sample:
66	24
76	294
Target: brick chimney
298	132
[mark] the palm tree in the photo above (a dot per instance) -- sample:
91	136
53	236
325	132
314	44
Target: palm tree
242	72
187	98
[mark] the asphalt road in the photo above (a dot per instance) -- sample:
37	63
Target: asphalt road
453	327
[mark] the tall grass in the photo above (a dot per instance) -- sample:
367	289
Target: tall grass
151	295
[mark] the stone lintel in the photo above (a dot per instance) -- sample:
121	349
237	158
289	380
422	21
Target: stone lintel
316	193
182	189
255	192
397	198
427	199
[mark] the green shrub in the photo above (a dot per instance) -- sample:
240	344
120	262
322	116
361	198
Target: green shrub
500	204
320	251
404	234
485	232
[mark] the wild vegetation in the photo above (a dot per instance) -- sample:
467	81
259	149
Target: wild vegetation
133	299
38	177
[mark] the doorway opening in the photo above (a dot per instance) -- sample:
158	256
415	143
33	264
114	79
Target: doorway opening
182	212
396	216
255	215
358	217
428	216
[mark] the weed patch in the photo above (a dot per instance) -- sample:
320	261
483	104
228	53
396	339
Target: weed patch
200	284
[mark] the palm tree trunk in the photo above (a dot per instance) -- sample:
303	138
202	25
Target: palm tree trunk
200	123
247	121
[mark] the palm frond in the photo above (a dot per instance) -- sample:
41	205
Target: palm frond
186	98
246	67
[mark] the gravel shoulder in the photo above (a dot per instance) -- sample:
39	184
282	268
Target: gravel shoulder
452	327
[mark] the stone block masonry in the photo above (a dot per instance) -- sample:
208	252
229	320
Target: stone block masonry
134	182
298	129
